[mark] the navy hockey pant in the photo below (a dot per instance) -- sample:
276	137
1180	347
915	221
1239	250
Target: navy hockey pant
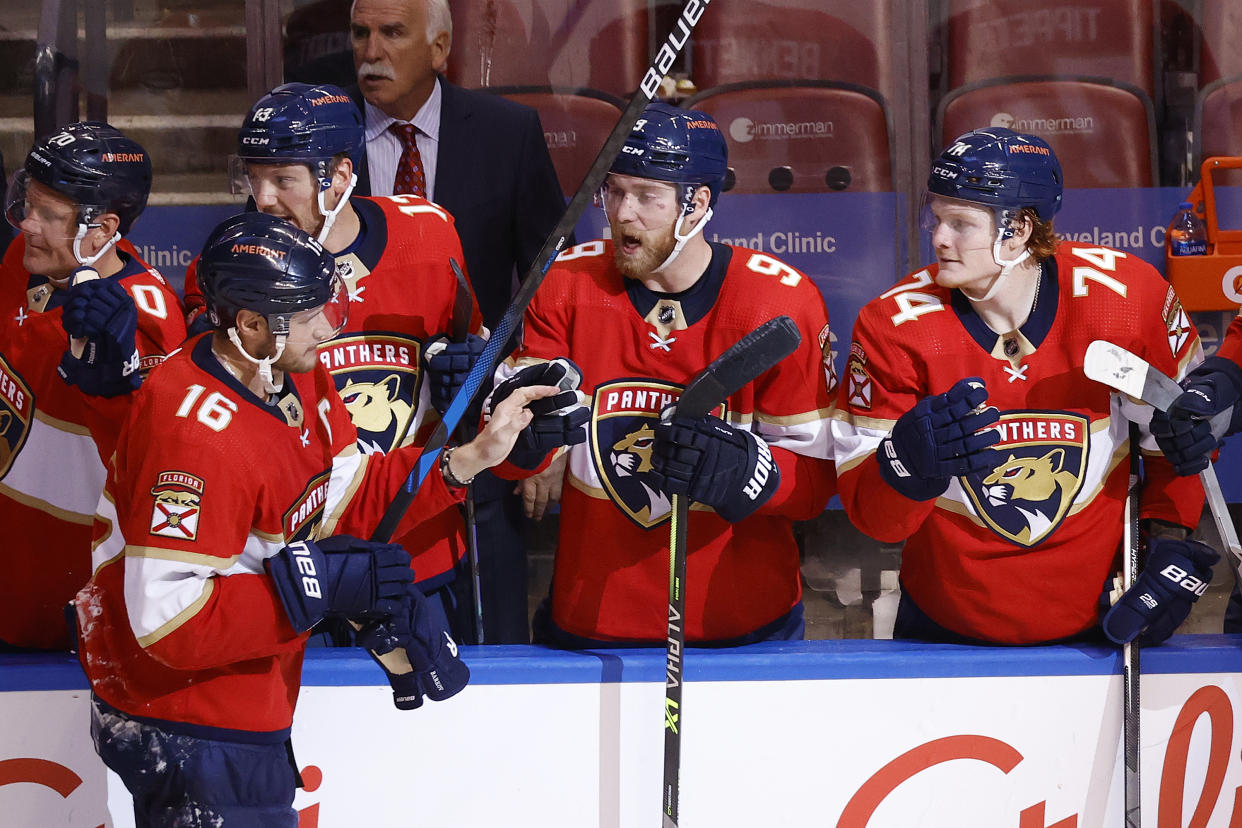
187	782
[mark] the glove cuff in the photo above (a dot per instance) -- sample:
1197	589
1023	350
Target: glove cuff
296	572
900	478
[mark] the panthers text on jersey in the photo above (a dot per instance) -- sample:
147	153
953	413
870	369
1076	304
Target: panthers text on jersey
1020	553
55	442
637	350
401	292
180	621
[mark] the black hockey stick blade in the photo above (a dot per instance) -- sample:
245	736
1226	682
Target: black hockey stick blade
749	357
485	365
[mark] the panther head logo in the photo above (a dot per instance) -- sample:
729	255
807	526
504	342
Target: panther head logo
375	407
1037	487
631	458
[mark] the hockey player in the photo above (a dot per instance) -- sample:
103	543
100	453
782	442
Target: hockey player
230	525
967	429
78	192
393	363
641	314
1184	432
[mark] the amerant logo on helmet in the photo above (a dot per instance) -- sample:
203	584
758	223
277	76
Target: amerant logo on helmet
257	249
330	99
1028	148
123	157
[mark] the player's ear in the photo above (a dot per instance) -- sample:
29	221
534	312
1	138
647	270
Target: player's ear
701	199
108	224
342	174
1022	227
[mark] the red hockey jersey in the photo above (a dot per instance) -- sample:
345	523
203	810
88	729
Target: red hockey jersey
402	293
637	350
55	442
180	621
1018	554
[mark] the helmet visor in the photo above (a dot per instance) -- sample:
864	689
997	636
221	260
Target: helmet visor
654	204
325	321
249	175
963	225
54	215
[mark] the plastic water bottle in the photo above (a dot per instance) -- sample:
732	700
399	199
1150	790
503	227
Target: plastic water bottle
1187	235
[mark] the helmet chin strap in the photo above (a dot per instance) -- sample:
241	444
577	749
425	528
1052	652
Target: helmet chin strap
1006	266
83	229
265	364
683	239
329	216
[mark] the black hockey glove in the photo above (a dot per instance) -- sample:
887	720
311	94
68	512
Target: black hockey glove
1160	599
559	420
942	437
420	627
340	576
1184	433
710	461
447	364
100	312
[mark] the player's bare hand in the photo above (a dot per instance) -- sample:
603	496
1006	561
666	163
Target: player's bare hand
496	440
544	489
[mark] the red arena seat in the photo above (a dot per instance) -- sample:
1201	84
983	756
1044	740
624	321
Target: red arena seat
1220	54
787	40
1218	126
1103	133
575	127
802	137
1113	39
551	43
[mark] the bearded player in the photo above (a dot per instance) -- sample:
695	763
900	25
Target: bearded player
967	429
640	314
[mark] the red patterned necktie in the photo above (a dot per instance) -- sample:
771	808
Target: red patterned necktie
410	175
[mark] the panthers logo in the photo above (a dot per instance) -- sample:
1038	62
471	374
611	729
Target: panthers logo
623	417
375	408
631	458
1027	496
16	410
378	378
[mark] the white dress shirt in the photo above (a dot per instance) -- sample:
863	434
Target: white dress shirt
384	148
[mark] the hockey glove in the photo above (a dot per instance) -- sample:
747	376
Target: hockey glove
707	460
340	576
1184	432
447	364
942	437
100	312
421	628
1176	574
559	420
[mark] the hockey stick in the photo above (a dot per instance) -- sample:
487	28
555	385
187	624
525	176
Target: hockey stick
1131	374
396	663
1131	708
461	329
749	357
486	364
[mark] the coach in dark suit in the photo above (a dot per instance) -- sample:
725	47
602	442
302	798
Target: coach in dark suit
492	170
483	158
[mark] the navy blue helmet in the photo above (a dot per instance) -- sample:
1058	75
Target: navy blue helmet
681	146
1000	168
301	122
93	164
265	264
